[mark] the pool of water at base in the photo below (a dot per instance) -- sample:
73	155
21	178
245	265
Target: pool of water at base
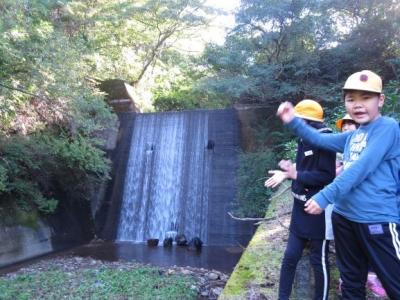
221	258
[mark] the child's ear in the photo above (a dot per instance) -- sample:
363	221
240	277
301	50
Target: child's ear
381	100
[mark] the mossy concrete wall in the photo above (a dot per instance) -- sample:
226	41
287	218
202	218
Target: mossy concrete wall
257	272
22	242
26	234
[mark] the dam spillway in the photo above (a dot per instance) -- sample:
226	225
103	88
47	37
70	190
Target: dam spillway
180	175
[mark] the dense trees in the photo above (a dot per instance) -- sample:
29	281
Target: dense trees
294	49
52	55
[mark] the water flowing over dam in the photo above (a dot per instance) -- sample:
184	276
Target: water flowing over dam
180	176
166	185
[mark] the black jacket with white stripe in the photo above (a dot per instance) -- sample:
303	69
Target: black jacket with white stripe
315	169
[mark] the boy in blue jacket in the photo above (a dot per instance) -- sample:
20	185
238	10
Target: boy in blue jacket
314	169
366	213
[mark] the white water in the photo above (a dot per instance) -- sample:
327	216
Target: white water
167	181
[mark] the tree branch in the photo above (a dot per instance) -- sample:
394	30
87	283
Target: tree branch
264	219
21	91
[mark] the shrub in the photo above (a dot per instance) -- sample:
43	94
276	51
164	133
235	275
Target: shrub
36	169
252	173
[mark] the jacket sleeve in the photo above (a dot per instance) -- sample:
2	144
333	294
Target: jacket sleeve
333	142
323	174
379	144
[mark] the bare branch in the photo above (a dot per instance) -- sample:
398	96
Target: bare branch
261	220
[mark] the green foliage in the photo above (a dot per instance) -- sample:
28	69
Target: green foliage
186	98
79	154
181	88
52	53
253	196
392	99
291	50
50	49
40	167
3	178
269	134
290	150
105	283
12	215
267	139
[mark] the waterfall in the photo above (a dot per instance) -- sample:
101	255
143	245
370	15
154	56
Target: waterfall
167	181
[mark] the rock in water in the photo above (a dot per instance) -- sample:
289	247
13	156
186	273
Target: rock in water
152	242
181	240
195	244
168	242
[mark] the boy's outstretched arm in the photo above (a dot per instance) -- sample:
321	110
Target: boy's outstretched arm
384	139
332	142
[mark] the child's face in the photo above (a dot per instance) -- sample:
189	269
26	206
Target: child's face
348	125
362	106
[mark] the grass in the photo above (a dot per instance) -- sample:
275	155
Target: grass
102	283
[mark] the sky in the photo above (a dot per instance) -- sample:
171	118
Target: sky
219	27
223	22
224	4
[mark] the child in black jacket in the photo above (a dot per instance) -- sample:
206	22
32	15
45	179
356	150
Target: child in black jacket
314	169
